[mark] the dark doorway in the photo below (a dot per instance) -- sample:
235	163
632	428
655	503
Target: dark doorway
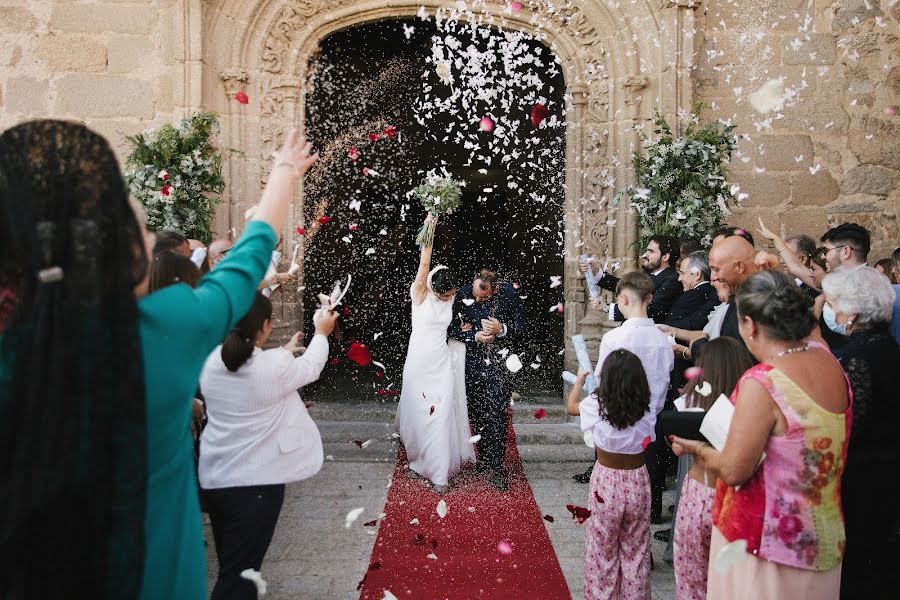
366	82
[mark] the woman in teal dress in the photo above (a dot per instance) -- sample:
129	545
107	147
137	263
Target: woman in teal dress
97	377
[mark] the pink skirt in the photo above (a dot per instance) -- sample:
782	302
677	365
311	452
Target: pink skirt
753	578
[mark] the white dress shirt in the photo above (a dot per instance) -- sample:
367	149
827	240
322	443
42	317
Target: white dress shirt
641	337
259	431
713	326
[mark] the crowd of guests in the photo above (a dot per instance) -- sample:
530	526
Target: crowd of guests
801	343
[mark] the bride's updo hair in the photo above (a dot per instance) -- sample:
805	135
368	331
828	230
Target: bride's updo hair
443	281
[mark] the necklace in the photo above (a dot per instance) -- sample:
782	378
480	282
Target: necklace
790	351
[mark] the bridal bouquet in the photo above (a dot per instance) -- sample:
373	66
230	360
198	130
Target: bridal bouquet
439	196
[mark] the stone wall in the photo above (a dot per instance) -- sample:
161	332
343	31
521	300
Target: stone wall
112	65
832	157
122	67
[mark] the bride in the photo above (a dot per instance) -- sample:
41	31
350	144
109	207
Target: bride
432	415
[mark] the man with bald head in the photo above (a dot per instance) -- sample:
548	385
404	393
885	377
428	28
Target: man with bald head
731	263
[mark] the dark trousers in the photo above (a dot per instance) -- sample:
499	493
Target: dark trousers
488	400
243	521
870	495
657	457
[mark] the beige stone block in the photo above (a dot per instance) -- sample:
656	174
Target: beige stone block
16	19
10	53
744	47
165	94
783	152
893	80
813	221
875	141
870	179
62	52
112	18
850	13
27	95
820	49
820	114
765	189
128	53
748	217
813	189
115	130
104	96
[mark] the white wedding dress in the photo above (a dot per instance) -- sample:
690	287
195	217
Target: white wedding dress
432	416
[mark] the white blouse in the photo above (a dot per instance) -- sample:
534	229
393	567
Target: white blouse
259	431
609	439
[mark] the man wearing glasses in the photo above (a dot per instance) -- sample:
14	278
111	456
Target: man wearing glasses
843	247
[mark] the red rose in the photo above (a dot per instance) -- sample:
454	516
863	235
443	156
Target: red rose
826	462
359	354
819	481
788	527
822	443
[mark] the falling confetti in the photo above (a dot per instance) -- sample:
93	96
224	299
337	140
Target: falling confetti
579	513
441	509
256	577
352	516
704	389
693	373
513	363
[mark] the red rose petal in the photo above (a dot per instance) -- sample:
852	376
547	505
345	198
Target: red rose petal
301	231
434	544
365	170
324	220
579	513
540	413
374	566
549	518
374	137
379	374
390	131
561	308
693	373
166	190
353	227
334	361
515	285
353	154
242	98
538	113
382	392
358	443
486	124
346	311
599	499
371	523
420	539
359	354
646	442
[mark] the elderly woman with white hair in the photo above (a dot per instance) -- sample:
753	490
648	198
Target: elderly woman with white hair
862	300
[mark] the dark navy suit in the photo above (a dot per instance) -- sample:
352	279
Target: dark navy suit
488	381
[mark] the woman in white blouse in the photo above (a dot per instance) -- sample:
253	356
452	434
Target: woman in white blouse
259	437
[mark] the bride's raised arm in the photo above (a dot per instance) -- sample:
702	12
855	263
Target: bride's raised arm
420	286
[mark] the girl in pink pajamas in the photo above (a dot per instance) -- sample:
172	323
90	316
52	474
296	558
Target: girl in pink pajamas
722	363
617	541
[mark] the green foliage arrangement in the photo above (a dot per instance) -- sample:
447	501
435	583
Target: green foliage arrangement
173	172
681	187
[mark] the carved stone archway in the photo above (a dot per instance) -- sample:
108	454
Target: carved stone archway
622	62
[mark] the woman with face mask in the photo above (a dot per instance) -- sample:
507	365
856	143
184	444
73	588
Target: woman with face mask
859	303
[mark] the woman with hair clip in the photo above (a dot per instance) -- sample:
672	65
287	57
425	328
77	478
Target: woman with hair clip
259	437
97	376
720	370
432	417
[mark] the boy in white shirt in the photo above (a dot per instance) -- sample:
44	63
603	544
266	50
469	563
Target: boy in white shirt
640	335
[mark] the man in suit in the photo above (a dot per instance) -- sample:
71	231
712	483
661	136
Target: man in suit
488	316
691	309
657	260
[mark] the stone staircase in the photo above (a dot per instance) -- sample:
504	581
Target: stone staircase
555	438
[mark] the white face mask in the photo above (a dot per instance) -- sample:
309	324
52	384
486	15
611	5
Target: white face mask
830	318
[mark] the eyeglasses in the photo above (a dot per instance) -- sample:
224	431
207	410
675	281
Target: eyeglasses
824	250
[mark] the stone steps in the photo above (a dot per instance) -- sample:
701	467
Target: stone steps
523	411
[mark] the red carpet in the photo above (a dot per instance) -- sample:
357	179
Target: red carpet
465	541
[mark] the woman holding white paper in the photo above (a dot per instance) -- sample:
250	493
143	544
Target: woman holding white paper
782	518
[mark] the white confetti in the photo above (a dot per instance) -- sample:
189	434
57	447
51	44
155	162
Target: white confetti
414	522
366	444
814	169
388	595
475	439
513	363
769	97
432	556
256	577
352	516
468	301
555	281
704	389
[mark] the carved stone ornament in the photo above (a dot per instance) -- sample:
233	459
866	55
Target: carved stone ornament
234	80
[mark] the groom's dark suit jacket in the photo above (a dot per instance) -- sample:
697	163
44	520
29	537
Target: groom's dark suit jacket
506	307
666	289
691	310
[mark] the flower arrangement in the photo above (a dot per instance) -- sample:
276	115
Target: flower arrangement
173	170
440	196
681	187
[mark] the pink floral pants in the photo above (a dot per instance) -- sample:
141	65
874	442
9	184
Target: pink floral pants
617	540
693	530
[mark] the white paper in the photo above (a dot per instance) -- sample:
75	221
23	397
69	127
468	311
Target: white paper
717	422
584	361
681	405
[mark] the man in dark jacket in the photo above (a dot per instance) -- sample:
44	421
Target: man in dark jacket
691	309
657	260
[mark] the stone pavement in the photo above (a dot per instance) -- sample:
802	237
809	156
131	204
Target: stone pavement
313	556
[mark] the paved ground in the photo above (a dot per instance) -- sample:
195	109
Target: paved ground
313	556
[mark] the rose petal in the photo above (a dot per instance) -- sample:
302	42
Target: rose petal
242	98
359	353
504	548
352	516
474	439
513	363
324	220
539	112
468	301
704	389
646	442
301	231
441	509
599	499
486	124
579	513
353	154
540	413
549	518
390	131
693	373
374	137
517	6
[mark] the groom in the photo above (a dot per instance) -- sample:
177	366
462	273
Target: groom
488	316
